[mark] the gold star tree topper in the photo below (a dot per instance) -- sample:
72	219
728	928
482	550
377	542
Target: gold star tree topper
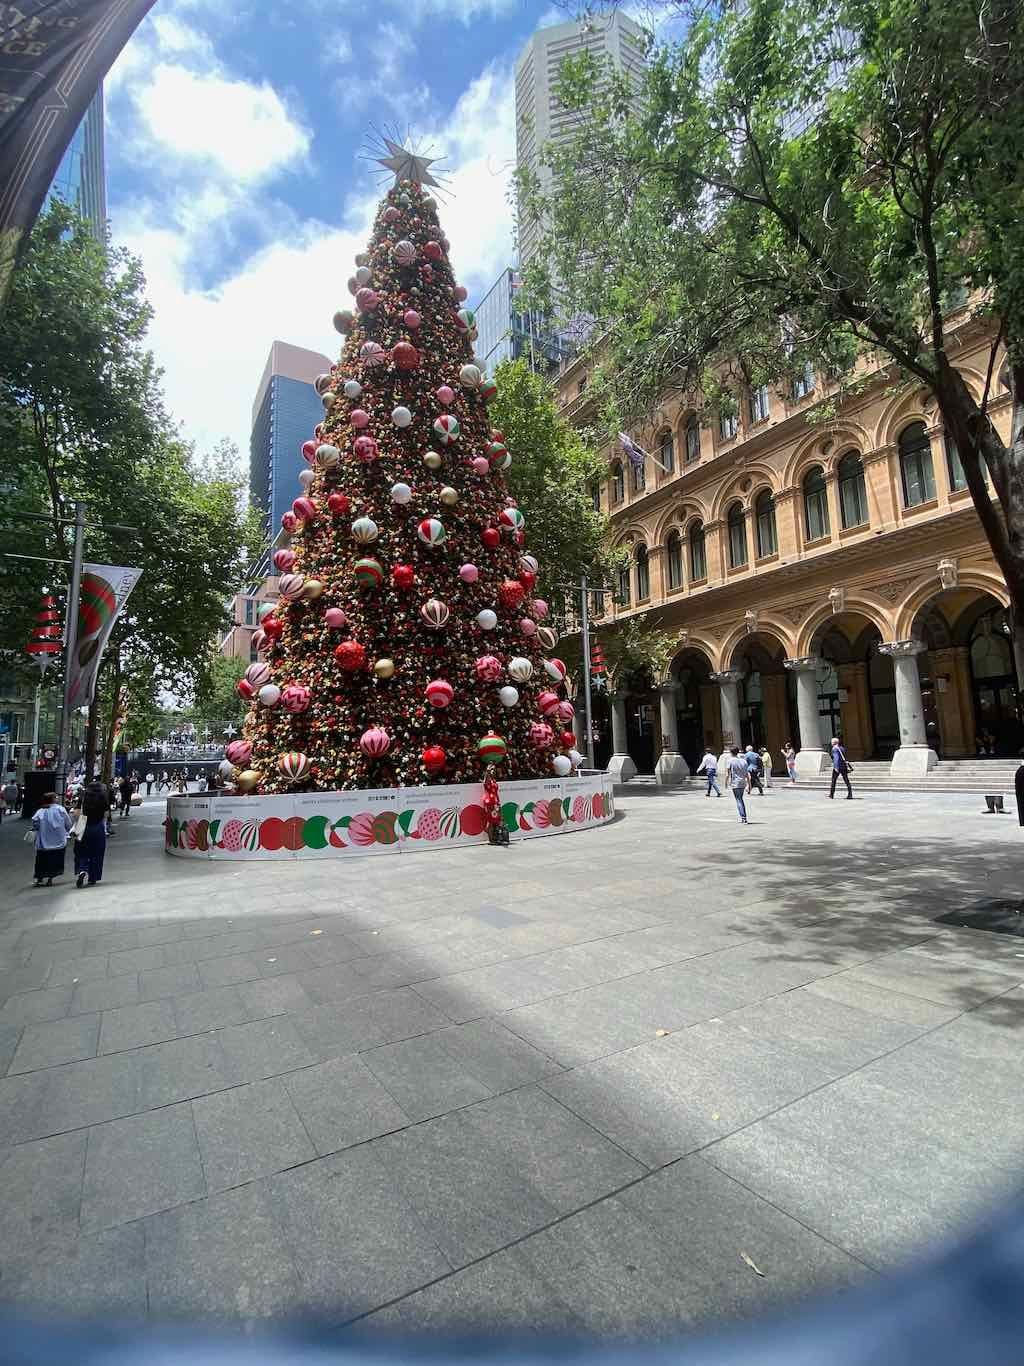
406	165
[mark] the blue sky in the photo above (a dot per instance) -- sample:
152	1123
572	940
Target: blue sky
234	134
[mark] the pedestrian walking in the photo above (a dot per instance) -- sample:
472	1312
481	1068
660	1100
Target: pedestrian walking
165	781
51	825
709	766
766	765
125	790
841	768
10	796
737	775
150	780
789	754
91	845
753	762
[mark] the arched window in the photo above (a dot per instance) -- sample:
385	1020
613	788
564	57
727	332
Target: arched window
727	425
618	482
764	512
692	439
674	559
815	504
639	476
954	465
698	552
595	496
853	499
916	471
737	523
623	594
667	452
643	574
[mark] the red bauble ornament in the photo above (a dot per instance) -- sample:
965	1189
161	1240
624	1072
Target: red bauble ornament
285	560
434	758
405	355
488	668
527	578
548	703
439	692
427	273
511	593
491	537
432	251
289	522
245	689
567	739
351	656
403	576
273	627
365	449
338	503
305	508
541	735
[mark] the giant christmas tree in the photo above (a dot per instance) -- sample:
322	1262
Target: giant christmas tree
409	645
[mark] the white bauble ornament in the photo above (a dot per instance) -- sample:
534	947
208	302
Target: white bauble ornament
508	696
400	493
562	765
449	496
364	530
470	377
226	769
364	275
401	416
432	460
269	695
353	388
306	477
520	669
486	620
578	760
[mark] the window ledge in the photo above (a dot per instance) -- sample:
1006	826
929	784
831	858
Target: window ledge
738	569
757	422
929	505
766	559
848	531
960	494
818	541
699	583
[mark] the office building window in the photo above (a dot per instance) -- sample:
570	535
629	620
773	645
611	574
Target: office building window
764	512
623	593
853	500
618	482
250	612
692	440
727	426
698	552
639	476
643	574
815	504
954	465
916	472
803	383
759	405
674	559
667	452
737	524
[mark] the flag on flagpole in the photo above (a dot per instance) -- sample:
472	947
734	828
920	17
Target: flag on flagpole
105	589
637	454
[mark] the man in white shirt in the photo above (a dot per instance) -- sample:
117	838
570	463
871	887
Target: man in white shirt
709	766
737	774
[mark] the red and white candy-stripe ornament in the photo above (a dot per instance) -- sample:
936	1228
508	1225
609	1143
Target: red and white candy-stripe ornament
372	353
548	703
511	519
290	586
447	429
295	698
404	252
294	766
431	531
439	692
435	614
375	742
547	637
304	508
365	449
565	710
555	668
239	752
257	674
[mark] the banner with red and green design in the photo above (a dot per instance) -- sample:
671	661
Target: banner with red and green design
104	591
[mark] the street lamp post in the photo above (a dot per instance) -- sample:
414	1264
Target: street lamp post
585	588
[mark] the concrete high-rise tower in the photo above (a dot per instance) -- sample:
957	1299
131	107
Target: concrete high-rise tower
284	413
540	118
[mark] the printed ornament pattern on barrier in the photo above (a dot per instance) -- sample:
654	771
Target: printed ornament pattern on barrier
407	567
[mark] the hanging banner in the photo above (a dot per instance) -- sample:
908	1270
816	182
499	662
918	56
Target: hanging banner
104	592
53	55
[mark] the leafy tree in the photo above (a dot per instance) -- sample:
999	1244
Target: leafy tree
796	184
82	417
552	471
217	704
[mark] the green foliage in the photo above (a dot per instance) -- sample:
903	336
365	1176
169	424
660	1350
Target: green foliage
551	475
796	184
633	646
217	704
82	417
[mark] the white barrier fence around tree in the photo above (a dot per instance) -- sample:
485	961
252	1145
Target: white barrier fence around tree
379	821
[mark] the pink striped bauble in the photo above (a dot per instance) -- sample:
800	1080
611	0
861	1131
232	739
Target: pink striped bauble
239	752
439	692
541	735
304	508
284	560
375	742
548	703
290	586
296	697
258	674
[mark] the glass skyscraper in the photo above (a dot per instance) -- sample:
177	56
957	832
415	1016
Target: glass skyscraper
81	178
504	334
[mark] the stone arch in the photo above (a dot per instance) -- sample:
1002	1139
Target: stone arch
985	581
899	413
759	476
631	536
843	436
768	626
874	612
680	515
695	645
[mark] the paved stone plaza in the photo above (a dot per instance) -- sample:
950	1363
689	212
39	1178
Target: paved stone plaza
581	1083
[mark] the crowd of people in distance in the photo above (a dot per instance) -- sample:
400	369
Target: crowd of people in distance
751	769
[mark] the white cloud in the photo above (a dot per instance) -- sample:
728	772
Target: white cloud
242	128
212	343
464	10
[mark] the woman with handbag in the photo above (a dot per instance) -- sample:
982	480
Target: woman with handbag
91	844
51	826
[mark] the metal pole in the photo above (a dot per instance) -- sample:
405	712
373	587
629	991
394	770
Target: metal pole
35	722
585	627
70	627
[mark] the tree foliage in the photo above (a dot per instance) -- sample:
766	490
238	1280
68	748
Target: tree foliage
795	184
82	418
552	471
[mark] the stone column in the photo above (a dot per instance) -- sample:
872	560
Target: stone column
620	765
811	758
915	757
729	700
671	767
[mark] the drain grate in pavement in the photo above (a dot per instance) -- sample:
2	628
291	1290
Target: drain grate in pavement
1001	917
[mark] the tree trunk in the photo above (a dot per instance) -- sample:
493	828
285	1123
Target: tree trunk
91	728
115	706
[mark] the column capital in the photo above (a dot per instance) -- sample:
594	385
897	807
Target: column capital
728	676
805	664
670	687
902	649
